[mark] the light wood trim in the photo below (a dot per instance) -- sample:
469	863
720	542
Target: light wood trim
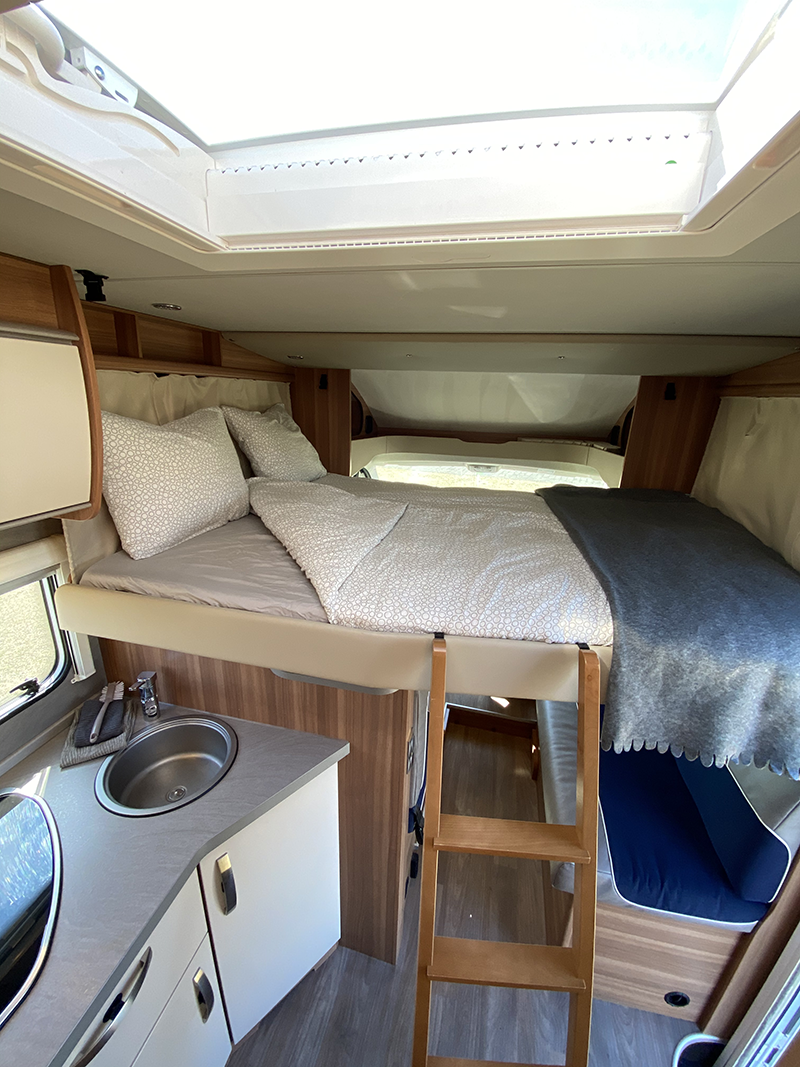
70	317
159	366
505	963
26	293
755	956
177	343
430	857
779	377
668	437
585	896
373	783
510	837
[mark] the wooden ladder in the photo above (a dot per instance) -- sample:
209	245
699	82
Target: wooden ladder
454	959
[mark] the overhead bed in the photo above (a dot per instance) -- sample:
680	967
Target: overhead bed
151	604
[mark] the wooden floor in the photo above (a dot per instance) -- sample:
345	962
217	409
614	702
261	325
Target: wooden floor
358	1012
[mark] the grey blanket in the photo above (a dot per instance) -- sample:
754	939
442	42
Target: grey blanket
706	627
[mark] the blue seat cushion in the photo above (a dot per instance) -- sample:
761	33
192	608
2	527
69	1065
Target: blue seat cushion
755	858
661	853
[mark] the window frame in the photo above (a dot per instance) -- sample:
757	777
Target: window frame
48	583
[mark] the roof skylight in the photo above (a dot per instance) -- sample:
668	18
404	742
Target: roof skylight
250	70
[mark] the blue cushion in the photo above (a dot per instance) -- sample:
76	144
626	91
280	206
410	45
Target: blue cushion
755	858
662	855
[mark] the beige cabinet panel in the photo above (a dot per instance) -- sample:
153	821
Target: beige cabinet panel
284	871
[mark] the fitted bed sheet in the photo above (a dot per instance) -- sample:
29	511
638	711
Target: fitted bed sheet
239	565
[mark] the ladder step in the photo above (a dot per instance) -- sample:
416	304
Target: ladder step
508	837
451	1061
501	963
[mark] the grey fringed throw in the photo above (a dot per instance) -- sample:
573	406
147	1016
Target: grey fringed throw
706	627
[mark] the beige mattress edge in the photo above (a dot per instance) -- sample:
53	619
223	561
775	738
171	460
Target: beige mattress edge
341	654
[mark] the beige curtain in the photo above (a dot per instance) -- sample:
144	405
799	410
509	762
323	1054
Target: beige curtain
173	396
750	467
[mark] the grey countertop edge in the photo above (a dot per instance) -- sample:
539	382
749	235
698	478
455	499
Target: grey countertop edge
78	1031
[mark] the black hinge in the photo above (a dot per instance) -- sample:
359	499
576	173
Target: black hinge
323	381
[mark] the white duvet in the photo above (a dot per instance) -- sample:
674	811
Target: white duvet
407	558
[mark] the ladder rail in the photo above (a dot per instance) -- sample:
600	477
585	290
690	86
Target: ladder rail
483	962
430	856
584	900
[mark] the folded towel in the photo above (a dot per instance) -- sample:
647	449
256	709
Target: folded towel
114	735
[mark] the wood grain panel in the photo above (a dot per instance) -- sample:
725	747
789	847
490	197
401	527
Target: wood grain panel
755	957
373	785
175	342
69	313
26	294
126	329
672	422
101	329
166	345
321	408
779	377
234	355
640	957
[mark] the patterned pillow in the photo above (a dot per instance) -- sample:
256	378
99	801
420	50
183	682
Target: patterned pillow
165	484
274	444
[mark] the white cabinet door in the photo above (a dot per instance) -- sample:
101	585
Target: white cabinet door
285	869
191	1031
121	1027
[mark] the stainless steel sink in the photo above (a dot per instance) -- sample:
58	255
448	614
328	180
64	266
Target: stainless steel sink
166	766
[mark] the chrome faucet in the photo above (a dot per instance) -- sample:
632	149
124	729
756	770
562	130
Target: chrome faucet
148	693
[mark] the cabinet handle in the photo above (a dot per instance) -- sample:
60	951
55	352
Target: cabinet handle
204	994
227	884
117	1010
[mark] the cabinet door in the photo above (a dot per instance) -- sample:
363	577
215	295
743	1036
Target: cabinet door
128	1016
191	1031
285	870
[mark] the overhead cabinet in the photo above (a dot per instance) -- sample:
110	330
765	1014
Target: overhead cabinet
45	435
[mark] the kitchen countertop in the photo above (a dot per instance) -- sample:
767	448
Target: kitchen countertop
120	874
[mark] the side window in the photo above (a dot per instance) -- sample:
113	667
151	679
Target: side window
33	653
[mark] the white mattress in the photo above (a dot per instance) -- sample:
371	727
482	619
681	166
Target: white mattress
239	565
242	565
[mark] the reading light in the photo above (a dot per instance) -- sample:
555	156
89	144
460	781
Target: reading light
168	307
297	357
501	701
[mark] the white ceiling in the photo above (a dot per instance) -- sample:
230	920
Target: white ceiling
752	292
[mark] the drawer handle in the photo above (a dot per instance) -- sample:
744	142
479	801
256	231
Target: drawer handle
204	994
117	1010
227	884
